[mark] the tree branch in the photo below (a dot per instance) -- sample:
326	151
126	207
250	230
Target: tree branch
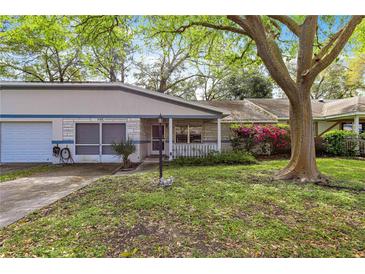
338	45
293	26
268	51
305	52
181	80
24	71
211	26
329	44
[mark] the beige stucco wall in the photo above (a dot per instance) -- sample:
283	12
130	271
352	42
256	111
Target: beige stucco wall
89	102
323	126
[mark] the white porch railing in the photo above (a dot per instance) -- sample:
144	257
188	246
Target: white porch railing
192	150
359	143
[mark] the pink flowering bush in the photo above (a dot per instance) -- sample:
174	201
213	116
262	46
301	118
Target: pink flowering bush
260	139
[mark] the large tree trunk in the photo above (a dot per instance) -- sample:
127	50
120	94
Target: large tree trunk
302	165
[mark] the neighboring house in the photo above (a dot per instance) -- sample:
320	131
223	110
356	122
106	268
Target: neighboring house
88	117
347	114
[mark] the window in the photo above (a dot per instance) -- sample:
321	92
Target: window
88	138
195	134
111	133
348	126
188	134
181	133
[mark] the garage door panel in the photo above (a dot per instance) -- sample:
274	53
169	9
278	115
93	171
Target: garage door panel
26	142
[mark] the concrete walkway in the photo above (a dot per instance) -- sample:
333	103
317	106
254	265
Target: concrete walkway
143	167
22	196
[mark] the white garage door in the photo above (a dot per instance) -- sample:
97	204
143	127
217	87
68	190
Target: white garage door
26	142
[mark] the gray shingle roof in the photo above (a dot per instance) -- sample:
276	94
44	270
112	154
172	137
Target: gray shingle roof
242	110
270	110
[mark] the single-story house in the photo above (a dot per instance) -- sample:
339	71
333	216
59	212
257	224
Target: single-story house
88	118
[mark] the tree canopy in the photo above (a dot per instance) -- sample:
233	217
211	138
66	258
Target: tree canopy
188	56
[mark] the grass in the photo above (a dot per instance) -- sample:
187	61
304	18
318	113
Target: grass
24	172
221	211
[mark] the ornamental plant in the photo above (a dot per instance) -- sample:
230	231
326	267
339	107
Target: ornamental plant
270	138
340	142
125	149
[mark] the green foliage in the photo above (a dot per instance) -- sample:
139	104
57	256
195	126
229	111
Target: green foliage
247	85
40	48
108	45
362	136
228	158
125	149
283	126
335	142
340	80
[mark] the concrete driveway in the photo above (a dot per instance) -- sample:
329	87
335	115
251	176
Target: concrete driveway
22	196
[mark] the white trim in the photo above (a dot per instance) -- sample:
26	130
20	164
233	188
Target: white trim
349	114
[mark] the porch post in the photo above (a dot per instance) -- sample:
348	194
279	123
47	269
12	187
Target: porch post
219	135
355	129
170	139
356	125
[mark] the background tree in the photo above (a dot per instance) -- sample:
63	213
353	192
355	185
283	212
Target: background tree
315	43
211	75
339	81
247	85
166	67
108	45
226	83
40	48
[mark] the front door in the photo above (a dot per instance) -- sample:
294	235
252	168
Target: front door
155	139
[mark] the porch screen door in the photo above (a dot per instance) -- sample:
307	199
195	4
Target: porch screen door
155	139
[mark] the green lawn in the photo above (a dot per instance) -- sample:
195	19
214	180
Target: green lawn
221	211
25	172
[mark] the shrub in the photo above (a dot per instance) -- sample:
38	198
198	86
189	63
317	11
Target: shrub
261	139
320	146
362	136
336	142
125	149
229	158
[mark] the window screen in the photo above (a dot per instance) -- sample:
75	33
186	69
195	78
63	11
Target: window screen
87	133
347	126
156	131
195	134
108	150
181	134
88	138
156	145
113	133
87	150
